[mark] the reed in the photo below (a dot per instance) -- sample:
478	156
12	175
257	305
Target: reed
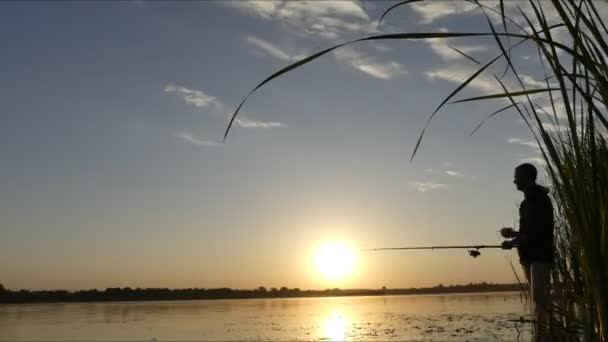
571	132
572	137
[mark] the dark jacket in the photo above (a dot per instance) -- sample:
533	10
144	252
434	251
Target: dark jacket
536	226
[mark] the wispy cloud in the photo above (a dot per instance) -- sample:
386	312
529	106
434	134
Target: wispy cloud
486	84
533	160
200	99
331	20
453	173
194	97
382	48
445	48
520	141
529	80
370	65
249	123
536	158
447	169
459	73
268	48
428	186
326	19
262	8
430	11
515	140
532	82
442	48
185	136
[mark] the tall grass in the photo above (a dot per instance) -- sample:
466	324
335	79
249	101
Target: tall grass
571	132
572	137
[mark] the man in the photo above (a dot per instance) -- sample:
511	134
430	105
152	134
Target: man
534	242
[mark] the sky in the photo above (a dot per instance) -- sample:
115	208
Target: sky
114	172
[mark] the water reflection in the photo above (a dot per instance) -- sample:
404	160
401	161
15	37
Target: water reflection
335	326
446	318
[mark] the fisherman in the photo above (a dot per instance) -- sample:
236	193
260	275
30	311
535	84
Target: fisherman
534	242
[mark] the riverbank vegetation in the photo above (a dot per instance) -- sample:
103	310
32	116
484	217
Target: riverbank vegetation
153	294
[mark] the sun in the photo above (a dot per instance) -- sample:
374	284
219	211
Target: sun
334	260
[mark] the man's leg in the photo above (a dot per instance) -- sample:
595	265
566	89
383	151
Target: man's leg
526	268
541	296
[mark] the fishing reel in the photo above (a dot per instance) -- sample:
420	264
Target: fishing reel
474	252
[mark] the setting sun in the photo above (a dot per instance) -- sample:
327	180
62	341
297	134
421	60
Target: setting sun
334	260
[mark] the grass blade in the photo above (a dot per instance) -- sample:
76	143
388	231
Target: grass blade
507	94
492	115
393	7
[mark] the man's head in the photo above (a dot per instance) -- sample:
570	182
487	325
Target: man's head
525	176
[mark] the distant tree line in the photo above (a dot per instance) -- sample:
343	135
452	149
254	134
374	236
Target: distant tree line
147	294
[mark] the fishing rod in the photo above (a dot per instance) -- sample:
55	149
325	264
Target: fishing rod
472	249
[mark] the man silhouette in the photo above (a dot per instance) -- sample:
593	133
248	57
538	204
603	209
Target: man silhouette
534	242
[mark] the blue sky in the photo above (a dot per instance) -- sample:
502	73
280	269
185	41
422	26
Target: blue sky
113	173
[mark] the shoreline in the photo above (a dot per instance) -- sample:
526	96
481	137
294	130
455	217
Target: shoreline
150	295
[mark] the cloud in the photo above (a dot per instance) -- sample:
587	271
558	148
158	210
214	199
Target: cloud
332	20
326	19
459	73
520	141
532	82
185	136
199	99
196	98
268	48
272	50
534	160
453	173
382	48
444	48
529	80
262	8
445	169
429	11
514	140
486	84
348	9
370	65
428	186
245	122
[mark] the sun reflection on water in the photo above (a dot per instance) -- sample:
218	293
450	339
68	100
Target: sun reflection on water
335	326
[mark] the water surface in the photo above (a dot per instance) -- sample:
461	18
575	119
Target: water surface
450	317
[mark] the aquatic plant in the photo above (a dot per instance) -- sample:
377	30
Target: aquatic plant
571	130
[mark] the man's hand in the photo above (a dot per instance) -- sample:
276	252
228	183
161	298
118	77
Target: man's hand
508	233
508	244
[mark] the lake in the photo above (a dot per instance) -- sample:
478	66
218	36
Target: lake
448	317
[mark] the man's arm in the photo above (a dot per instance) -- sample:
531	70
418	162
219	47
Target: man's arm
517	238
508	233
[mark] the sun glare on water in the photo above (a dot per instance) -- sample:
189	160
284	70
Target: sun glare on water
334	260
